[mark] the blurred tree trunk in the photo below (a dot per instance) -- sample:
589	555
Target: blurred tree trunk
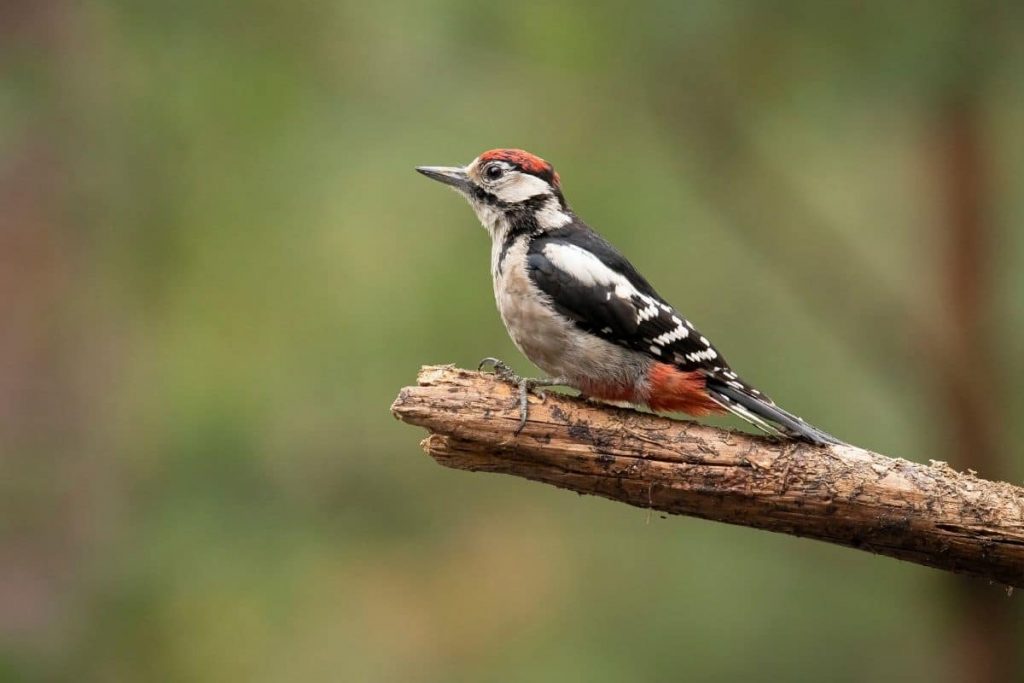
44	476
987	641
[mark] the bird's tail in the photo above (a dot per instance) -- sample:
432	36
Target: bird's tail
761	412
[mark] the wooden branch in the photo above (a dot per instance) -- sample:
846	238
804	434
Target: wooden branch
931	515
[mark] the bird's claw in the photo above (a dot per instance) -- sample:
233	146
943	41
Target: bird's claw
501	370
525	385
490	360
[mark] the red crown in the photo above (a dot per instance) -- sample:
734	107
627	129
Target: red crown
531	163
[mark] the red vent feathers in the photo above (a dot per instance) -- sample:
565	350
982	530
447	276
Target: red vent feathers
672	389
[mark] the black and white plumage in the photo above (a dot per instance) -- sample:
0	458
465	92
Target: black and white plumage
622	307
575	306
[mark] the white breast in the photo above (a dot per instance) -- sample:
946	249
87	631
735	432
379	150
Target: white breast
535	329
547	338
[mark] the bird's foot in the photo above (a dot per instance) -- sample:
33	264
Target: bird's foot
526	386
501	370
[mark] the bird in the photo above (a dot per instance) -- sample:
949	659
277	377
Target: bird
582	313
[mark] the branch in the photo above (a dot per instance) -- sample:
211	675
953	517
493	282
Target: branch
931	515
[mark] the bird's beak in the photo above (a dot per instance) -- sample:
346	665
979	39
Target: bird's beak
449	175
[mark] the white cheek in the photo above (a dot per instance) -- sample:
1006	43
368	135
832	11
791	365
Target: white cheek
550	215
522	188
490	217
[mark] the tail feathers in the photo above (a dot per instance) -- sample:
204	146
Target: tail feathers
765	415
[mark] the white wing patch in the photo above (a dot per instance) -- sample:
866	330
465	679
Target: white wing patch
592	272
587	268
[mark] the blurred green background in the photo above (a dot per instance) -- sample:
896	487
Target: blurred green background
217	268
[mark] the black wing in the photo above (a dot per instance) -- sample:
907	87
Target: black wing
594	285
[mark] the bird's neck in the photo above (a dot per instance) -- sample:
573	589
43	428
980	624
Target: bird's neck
537	214
507	224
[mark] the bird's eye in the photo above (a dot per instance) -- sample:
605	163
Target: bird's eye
494	171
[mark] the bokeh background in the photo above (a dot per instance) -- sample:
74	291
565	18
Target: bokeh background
217	268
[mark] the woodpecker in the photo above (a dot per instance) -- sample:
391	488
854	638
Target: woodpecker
579	310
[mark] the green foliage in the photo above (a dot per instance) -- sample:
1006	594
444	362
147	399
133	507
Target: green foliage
247	270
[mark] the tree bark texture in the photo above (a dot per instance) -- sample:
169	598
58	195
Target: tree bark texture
927	514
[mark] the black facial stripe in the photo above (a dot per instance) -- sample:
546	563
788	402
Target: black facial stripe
510	238
521	221
532	204
482	195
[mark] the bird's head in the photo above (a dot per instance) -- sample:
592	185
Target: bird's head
507	186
